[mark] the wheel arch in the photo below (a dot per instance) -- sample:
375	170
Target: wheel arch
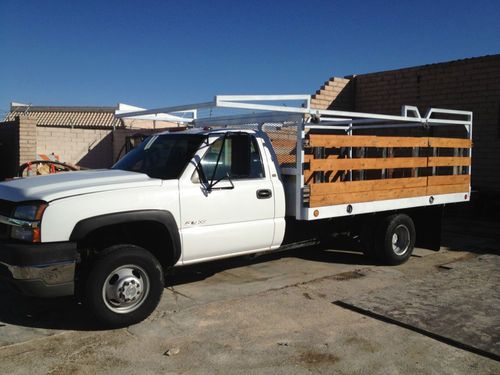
159	223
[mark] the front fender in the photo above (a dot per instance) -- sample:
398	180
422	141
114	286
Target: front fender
62	215
165	218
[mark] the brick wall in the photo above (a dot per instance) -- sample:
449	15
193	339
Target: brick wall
336	93
89	148
471	84
27	139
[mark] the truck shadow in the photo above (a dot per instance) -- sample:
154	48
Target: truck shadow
342	252
53	314
68	314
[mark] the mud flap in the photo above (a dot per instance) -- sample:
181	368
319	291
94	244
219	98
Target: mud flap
428	221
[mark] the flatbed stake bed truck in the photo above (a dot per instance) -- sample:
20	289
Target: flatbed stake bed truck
257	177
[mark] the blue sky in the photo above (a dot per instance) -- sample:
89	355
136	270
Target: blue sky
156	53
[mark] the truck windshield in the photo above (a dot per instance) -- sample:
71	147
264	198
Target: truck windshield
161	156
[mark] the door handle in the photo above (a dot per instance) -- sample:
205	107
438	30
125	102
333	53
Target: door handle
264	194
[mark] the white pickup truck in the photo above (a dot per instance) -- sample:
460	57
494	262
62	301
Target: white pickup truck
228	186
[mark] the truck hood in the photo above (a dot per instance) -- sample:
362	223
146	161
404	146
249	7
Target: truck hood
66	184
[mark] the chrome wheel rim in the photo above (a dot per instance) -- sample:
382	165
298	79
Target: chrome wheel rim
125	289
400	240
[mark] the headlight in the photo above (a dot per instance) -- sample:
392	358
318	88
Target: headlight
30	211
26	222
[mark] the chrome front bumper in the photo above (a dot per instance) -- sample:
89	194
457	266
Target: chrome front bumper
53	280
41	270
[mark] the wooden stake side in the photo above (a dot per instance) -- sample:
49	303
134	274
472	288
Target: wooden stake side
367	163
448	189
367	185
329	140
450	142
448	180
366	196
337	141
446	161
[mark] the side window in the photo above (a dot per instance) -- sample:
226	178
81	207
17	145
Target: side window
238	157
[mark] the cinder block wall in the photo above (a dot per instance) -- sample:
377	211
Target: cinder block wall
27	138
336	93
90	148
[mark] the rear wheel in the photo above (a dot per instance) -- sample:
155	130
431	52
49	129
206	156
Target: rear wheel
395	240
124	285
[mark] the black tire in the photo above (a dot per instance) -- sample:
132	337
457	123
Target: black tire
124	285
395	239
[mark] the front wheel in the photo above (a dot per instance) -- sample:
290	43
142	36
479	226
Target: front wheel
124	285
395	240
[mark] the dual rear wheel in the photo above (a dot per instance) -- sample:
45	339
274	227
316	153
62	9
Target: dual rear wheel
393	241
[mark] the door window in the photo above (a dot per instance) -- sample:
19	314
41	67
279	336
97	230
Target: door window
236	156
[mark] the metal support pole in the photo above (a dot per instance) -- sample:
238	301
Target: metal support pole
299	170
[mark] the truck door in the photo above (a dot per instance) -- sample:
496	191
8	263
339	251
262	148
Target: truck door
228	208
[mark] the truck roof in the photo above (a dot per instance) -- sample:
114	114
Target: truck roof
207	131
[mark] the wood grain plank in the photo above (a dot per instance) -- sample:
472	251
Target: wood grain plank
450	142
330	140
367	163
448	180
368	185
447	189
446	161
348	198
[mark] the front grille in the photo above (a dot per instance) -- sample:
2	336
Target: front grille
6	208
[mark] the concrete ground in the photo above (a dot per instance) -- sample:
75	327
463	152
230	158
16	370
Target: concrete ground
273	314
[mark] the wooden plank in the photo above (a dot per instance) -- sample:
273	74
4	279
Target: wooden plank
447	189
330	140
447	161
448	180
348	198
368	185
367	163
450	142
